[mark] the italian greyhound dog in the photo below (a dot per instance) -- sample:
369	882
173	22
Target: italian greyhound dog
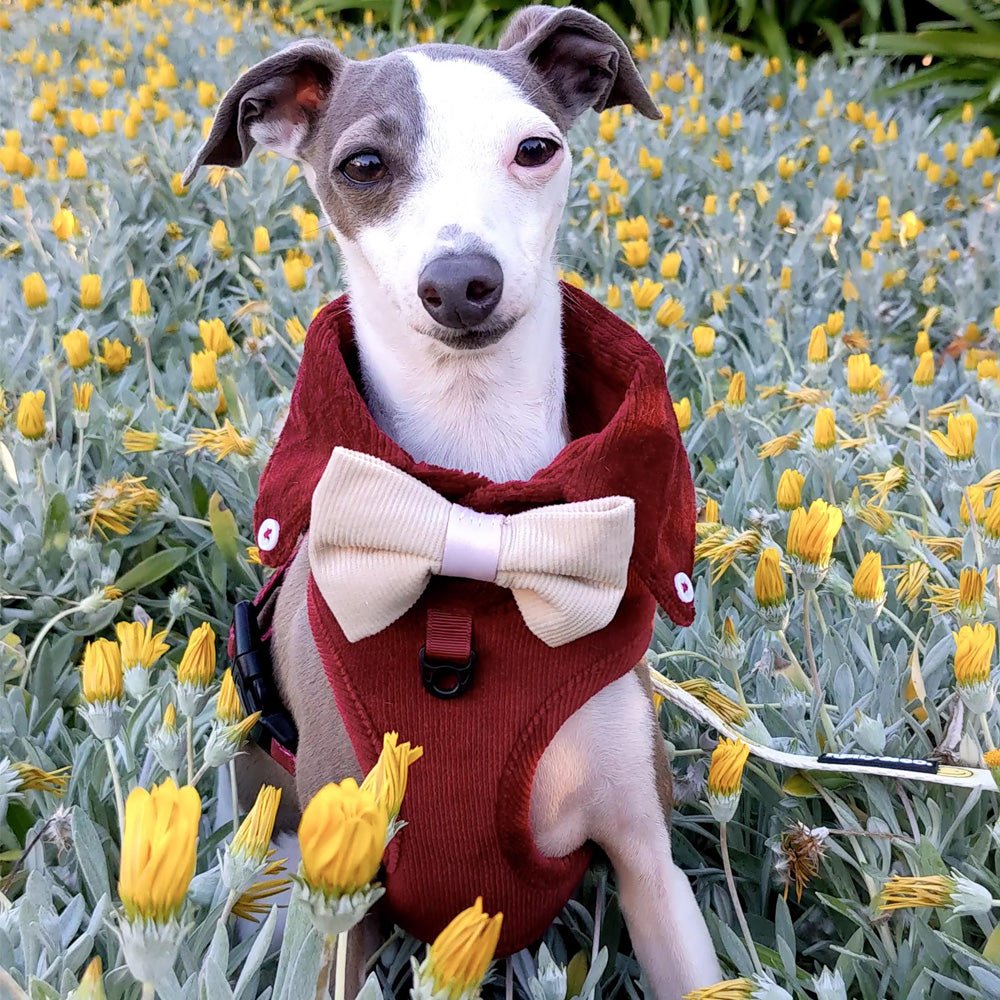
444	171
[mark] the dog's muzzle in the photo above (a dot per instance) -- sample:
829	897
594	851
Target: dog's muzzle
460	291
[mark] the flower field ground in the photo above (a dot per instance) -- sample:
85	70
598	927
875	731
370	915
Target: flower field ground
817	263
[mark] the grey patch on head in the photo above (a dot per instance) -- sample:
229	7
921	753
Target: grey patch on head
449	232
378	106
353	107
563	60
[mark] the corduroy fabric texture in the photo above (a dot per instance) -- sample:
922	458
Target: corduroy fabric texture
467	804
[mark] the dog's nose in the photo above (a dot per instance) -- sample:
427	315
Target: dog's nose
461	290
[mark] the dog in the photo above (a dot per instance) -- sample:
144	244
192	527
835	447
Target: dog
444	172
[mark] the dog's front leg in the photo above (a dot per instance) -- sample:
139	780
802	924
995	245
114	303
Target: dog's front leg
598	780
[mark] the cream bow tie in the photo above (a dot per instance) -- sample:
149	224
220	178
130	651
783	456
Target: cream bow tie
377	535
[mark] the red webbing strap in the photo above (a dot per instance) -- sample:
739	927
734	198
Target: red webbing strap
449	637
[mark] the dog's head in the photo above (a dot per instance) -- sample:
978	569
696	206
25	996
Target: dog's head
443	169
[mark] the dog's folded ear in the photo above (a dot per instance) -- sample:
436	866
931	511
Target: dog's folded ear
583	62
276	103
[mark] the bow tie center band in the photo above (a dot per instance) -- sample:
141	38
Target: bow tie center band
377	535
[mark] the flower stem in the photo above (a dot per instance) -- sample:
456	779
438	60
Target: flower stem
810	655
190	749
234	792
730	881
986	732
323	979
43	632
80	446
340	982
117	784
228	908
148	991
598	917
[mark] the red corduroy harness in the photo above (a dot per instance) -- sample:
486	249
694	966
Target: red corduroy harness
467	804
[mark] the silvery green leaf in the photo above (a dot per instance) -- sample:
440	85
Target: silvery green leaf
255	957
371	990
90	855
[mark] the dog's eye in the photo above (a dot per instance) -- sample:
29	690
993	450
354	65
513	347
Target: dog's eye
535	151
364	168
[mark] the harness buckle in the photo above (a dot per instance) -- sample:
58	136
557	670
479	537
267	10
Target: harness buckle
446	680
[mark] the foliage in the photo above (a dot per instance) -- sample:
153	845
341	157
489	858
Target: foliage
961	56
771	201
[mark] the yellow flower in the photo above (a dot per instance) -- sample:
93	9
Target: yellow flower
711	205
682	411
924	374
910	227
253	838
645	293
177	186
785	279
207	93
228	707
295	273
869	582
341	836
34	292
64	224
76	165
31	415
710	512
670	266
768	579
614	297
636	252
101	671
214	336
221	442
90	291
632	229
91	983
295	330
736	394
137	441
114	355
789	492
824	429
811	533
261	240
76	346
197	666
819	351
459	958
204	377
34	779
725	772
139	298
953	892
169	722
729	989
842	187
974	646
670	313
139	646
703	338
82	392
959	444
158	851
218	240
862	376
387	779
971	590
832	224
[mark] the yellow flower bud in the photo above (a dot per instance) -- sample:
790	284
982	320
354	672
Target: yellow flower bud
959	444
682	411
869	581
459	958
139	298
34	292
31	415
90	291
295	273
387	779
769	581
101	671
76	165
789	492
197	666
82	392
725	772
924	374
64	224
819	351
253	838
261	240
159	851
218	240
703	338
76	347
811	533
114	355
736	394
670	266
341	836
204	377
